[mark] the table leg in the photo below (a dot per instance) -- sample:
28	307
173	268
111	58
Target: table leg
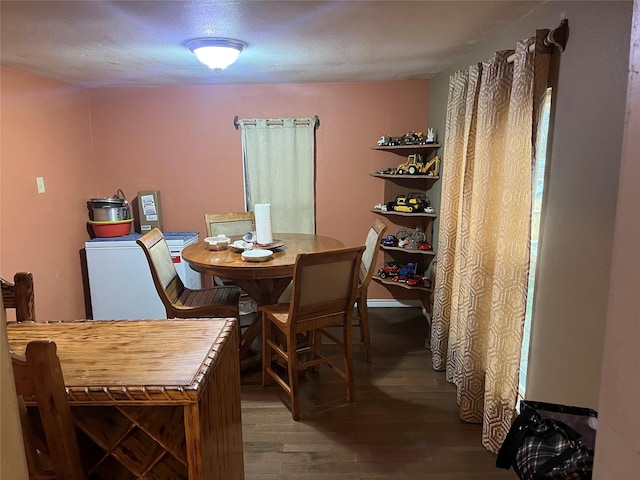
213	426
264	291
193	441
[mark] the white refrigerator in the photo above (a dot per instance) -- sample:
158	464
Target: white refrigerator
120	279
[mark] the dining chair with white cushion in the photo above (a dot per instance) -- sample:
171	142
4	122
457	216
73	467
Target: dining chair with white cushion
180	301
323	295
367	268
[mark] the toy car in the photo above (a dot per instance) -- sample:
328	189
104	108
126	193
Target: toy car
409	138
414	165
410	203
389	270
419	281
408	270
424	246
413	138
400	205
389	241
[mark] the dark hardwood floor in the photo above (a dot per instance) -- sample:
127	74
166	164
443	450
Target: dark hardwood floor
403	424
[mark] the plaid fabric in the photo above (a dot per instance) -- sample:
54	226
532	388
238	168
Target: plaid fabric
543	448
550	452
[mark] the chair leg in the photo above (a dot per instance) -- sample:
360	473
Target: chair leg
364	326
266	349
316	347
348	359
293	377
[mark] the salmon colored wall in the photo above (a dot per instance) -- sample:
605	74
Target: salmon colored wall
181	141
45	133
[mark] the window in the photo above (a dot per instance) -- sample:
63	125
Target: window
536	214
278	159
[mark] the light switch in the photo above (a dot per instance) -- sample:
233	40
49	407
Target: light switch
40	183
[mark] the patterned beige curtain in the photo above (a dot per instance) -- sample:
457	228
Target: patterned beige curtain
483	247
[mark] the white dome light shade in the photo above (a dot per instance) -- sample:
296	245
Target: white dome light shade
216	53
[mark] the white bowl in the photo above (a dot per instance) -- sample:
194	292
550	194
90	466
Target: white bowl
218	243
241	246
256	255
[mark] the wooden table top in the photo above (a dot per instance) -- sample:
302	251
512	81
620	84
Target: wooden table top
229	264
131	361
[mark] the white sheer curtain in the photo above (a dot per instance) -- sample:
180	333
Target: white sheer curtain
278	156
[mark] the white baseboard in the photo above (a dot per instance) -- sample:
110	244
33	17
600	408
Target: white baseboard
392	303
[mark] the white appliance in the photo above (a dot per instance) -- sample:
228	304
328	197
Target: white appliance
120	279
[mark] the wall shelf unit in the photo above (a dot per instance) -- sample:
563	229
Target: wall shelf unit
402	184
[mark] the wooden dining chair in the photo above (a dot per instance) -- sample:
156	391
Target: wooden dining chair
367	268
38	377
323	295
229	224
19	296
180	301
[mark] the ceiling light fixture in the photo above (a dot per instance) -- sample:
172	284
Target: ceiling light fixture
216	53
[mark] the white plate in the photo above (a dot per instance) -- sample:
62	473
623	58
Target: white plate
257	255
270	246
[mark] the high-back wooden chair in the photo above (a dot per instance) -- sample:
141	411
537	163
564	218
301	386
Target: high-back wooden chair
323	295
367	268
38	376
229	224
180	301
19	295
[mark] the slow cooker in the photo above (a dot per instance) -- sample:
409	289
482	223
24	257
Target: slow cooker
109	209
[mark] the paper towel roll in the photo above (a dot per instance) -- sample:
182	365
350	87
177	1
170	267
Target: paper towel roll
262	212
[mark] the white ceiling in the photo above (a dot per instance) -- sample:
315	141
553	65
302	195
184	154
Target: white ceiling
120	43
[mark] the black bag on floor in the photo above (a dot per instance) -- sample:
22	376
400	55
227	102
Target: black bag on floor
550	442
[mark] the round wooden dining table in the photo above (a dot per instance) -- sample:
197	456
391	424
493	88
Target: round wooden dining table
263	281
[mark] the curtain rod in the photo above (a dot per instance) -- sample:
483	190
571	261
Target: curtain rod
236	123
555	38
